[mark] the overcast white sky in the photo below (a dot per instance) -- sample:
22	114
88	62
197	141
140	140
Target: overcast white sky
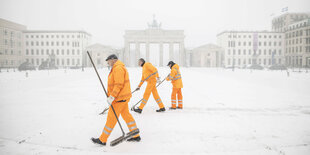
106	20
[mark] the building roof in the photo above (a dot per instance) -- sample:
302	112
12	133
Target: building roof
8	24
56	31
262	31
290	13
206	46
99	46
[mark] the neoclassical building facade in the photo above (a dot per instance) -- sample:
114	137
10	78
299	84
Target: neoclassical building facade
154	34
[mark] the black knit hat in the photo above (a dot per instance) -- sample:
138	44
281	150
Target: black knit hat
143	61
170	63
112	56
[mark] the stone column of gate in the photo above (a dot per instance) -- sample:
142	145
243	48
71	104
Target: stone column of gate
147	48
137	54
126	54
182	54
161	55
171	57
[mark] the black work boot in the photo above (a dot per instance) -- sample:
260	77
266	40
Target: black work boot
138	110
171	108
134	139
161	110
97	141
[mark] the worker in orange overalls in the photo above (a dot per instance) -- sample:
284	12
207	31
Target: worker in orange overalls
150	75
119	95
176	80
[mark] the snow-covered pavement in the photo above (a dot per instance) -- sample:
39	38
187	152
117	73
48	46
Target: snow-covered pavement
225	112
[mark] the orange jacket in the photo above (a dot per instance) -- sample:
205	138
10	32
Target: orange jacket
118	82
149	73
175	76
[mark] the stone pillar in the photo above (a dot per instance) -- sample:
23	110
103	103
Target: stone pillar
126	54
147	47
161	55
171	57
137	53
182	54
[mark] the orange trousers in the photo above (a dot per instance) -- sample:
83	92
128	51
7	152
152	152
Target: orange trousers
151	88
121	108
176	93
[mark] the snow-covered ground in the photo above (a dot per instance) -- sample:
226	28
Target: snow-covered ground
225	112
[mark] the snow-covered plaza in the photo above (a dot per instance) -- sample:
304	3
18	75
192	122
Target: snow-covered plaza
225	112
